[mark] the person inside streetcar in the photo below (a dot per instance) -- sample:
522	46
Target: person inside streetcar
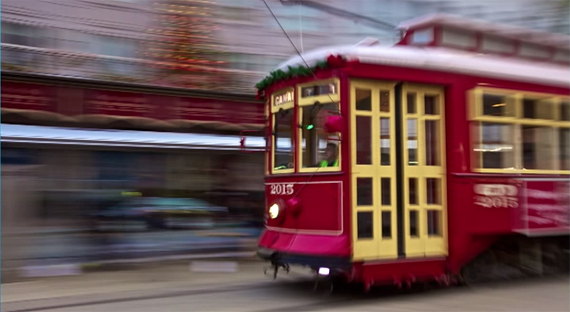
331	156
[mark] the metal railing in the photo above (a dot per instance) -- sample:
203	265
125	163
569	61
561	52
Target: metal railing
125	70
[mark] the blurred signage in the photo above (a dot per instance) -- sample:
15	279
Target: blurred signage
496	195
283	98
36	97
117	103
28	96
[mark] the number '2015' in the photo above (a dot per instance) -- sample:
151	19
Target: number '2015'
281	189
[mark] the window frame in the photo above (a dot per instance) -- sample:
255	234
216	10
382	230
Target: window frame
518	121
273	110
309	101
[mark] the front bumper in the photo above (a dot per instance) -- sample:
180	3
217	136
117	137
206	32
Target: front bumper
312	261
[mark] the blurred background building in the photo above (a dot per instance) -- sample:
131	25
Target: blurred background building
102	97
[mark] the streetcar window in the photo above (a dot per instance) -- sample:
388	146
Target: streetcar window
365	226
385	141
283	137
498	105
411	105
385	101
537	109
412	142
386	224
319	149
433	191
386	191
414	226
413	189
564	111
320	89
564	149
538	147
434	222
364	191
363	140
363	100
431	105
495	145
432	143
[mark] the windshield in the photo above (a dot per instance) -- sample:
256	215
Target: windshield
320	149
283	136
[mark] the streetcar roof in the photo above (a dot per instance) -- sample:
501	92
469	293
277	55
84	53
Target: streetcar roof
488	28
443	59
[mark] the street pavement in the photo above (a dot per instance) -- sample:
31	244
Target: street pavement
176	288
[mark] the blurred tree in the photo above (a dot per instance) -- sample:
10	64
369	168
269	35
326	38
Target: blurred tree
185	45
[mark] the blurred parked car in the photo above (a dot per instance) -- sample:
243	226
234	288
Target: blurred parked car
158	213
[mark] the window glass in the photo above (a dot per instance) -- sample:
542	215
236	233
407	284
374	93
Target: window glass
319	89
564	111
319	149
495	147
537	109
365	225
537	149
363	140
498	105
283	137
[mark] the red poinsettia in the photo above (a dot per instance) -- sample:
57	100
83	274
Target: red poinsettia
335	61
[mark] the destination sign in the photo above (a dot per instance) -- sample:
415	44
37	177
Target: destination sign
283	98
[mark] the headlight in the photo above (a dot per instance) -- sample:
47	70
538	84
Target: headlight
274	211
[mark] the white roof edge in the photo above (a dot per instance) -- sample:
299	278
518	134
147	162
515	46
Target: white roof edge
446	60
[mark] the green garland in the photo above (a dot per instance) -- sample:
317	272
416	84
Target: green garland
292	72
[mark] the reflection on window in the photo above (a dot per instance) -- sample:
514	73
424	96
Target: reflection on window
432	141
564	152
363	100
365	227
319	148
412	142
537	147
320	89
537	109
385	141
363	140
283	140
498	105
495	146
364	191
386	224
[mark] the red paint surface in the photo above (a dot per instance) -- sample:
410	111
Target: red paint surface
304	244
396	272
319	205
545	207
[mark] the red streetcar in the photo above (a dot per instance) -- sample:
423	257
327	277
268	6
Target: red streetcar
442	158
